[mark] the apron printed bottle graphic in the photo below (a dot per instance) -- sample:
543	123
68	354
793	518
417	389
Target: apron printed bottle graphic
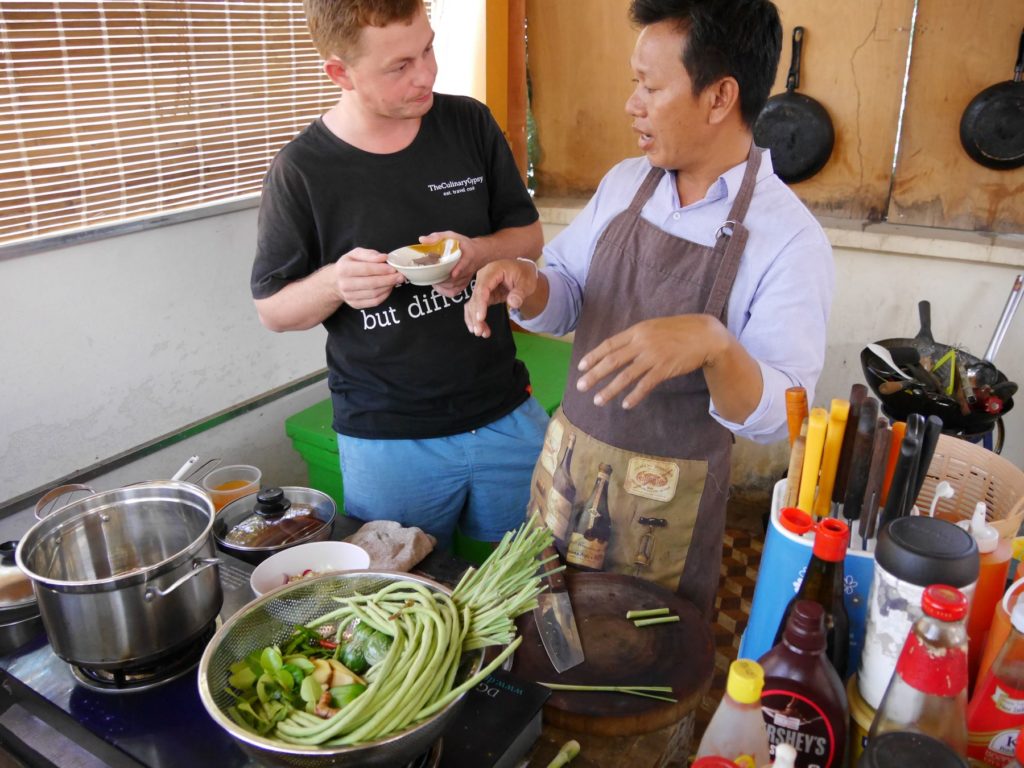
561	495
588	543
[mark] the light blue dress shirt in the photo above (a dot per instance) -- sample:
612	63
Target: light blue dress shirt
780	301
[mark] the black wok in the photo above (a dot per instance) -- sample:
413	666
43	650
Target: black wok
795	127
900	404
992	126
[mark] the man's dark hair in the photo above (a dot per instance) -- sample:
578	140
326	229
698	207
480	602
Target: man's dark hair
737	38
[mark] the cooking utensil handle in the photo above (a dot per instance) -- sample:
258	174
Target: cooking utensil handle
924	312
1018	68
556	578
198	566
1012	302
793	77
49	497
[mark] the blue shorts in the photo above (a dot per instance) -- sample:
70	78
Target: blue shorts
478	480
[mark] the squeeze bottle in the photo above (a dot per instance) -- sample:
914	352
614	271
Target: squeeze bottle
736	730
995	562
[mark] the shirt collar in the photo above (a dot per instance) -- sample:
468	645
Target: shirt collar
727	185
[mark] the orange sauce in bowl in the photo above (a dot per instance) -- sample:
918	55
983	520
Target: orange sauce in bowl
232	485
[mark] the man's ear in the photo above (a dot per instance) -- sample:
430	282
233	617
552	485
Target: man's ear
722	99
338	72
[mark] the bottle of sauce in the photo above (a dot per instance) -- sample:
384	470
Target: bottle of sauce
994	561
589	541
785	757
803	701
737	730
928	692
995	713
1018	752
561	495
824	584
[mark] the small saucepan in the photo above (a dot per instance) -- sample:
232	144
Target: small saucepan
992	125
796	128
928	396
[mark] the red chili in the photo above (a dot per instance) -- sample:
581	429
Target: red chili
328	645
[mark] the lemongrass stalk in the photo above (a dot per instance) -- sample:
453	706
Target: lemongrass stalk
645	614
658	620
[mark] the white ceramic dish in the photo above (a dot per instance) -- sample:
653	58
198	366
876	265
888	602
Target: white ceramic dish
317	556
405	260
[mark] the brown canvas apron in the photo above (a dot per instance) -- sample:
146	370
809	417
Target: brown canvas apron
667	460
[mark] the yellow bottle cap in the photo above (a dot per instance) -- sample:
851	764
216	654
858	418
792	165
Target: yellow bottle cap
1017	548
746	679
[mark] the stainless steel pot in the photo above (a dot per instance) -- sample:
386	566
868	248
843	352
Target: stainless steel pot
125	577
19	612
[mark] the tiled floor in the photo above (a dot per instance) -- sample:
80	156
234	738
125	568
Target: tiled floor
741	556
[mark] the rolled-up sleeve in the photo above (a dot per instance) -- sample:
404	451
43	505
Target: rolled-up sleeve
781	322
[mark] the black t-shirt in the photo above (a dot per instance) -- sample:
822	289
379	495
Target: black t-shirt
407	368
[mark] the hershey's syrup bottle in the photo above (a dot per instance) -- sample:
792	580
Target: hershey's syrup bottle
588	543
803	700
561	495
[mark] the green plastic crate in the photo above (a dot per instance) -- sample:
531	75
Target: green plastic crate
310	429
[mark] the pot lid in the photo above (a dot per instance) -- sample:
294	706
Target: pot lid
15	587
273	518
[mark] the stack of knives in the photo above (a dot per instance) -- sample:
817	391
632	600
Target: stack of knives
850	461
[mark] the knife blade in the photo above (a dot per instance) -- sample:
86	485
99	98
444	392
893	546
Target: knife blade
555	621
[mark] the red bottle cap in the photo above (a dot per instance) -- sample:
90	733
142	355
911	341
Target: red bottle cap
795	520
713	761
944	603
830	539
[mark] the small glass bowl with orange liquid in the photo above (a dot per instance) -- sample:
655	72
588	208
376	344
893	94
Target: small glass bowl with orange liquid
225	484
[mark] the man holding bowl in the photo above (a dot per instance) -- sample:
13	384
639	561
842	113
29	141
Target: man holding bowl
436	428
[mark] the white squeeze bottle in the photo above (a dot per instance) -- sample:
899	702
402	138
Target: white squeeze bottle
737	730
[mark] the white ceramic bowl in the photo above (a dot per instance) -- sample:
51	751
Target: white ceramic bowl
405	261
317	556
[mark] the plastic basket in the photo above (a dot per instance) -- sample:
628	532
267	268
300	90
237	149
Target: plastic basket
976	474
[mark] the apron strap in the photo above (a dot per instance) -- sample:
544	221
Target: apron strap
731	239
647	187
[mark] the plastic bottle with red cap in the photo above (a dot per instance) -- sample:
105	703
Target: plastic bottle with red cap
928	691
995	713
1018	752
823	583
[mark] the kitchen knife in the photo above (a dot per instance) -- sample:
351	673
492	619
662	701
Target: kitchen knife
876	473
860	461
932	430
555	622
838	411
857	394
899	429
796	465
904	474
796	411
817	424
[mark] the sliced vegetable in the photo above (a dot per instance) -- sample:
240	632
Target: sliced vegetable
343	694
566	754
658	620
646	613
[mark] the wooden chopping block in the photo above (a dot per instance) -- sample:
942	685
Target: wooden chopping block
616	652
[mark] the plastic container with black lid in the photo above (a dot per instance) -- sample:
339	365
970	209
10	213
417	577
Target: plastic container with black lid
912	553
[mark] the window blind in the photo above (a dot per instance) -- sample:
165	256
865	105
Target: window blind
115	110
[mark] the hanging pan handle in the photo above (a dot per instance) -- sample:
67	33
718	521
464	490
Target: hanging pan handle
793	78
1018	70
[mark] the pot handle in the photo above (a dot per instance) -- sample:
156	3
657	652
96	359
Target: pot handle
198	566
47	505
